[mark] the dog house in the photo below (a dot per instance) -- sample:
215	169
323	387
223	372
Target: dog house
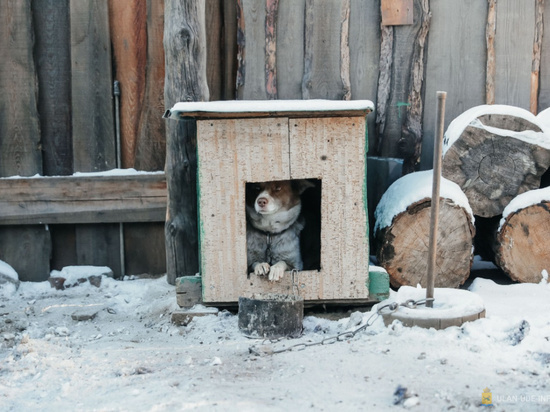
242	142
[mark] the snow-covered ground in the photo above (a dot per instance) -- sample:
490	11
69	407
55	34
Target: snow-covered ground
130	357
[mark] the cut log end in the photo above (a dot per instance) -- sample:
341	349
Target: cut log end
495	159
403	246
521	248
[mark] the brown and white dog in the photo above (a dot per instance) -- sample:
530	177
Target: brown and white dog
273	227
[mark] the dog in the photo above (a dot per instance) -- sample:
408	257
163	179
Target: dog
273	227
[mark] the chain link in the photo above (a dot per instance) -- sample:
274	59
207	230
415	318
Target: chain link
386	309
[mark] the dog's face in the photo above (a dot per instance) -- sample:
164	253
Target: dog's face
271	197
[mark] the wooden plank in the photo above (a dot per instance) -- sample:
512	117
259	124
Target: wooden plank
230	49
290	50
91	74
537	51
322	77
544	79
396	12
214	46
333	150
448	70
19	126
364	46
151	138
490	33
92	120
514	52
400	57
254	14
222	193
20	152
185	48
272	14
53	65
83	199
53	62
128	27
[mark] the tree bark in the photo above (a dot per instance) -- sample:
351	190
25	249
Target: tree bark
185	49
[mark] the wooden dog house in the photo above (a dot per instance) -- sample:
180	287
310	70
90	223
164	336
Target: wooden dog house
256	141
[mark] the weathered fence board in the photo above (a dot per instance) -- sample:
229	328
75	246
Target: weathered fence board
214	47
53	65
92	95
323	29
83	199
151	140
92	115
544	79
364	38
515	31
128	26
290	59
26	249
401	56
253	66
454	61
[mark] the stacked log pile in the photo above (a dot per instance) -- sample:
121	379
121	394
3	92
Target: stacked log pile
497	156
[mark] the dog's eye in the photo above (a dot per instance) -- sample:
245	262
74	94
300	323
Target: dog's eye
277	188
257	188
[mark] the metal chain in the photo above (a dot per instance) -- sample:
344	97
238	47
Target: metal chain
382	310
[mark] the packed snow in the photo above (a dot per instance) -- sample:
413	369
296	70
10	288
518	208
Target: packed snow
263	106
412	188
129	356
470	118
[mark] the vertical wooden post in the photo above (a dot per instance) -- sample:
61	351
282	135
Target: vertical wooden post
490	33
185	48
151	139
93	120
434	217
537	47
26	249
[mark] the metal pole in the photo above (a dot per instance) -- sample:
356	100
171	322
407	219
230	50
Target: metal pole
116	92
434	217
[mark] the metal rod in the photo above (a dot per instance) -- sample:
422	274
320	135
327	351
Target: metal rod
116	92
434	216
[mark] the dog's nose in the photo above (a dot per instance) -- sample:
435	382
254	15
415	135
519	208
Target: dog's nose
262	202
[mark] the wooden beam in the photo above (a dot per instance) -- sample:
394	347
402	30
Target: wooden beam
73	199
537	47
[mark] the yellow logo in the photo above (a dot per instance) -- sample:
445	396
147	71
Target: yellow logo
486	397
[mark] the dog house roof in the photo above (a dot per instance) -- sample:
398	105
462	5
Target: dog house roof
270	108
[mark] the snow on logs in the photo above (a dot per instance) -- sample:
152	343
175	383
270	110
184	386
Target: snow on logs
402	232
494	153
521	249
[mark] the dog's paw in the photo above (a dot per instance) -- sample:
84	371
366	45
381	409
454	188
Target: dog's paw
277	271
261	269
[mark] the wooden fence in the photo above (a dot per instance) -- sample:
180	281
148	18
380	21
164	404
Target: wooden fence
59	58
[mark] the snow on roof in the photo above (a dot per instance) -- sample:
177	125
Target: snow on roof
412	188
532	197
266	106
106	173
470	116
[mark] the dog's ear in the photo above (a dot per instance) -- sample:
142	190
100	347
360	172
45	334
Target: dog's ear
302	184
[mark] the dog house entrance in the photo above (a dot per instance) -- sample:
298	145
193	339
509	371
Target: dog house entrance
284	213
